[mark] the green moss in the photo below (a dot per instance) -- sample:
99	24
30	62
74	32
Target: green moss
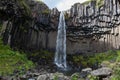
98	2
116	68
116	76
67	16
55	77
46	11
90	77
25	6
11	61
75	76
86	2
116	71
118	58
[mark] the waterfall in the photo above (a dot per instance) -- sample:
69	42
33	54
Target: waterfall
60	54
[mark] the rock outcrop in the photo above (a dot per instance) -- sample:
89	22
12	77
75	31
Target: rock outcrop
102	72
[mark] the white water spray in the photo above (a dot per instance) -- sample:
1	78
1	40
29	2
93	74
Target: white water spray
60	55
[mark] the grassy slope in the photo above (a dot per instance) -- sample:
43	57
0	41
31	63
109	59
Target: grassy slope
90	60
116	67
11	61
111	59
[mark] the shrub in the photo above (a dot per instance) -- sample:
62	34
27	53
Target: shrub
75	77
90	77
118	57
55	77
116	75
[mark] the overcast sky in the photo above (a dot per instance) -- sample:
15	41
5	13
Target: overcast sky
61	4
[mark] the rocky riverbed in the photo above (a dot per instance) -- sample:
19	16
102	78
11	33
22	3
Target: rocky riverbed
105	72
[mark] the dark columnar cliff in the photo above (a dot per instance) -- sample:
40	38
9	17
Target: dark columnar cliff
30	25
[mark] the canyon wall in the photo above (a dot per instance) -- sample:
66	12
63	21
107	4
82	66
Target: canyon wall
92	27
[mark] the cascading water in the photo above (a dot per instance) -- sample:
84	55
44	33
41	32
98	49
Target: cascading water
60	55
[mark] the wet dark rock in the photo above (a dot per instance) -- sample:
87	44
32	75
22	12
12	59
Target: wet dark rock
23	78
85	72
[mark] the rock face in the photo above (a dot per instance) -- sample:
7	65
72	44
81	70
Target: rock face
95	26
91	27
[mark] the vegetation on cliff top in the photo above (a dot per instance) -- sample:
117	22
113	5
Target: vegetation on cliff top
11	9
98	2
26	7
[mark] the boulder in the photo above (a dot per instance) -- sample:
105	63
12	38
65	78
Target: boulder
52	76
43	77
85	72
104	72
60	76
